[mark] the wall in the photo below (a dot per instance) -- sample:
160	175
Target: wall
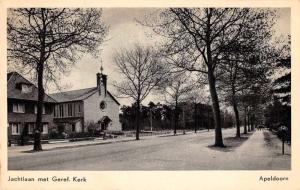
28	117
93	113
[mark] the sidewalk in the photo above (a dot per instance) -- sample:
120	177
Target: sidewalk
263	150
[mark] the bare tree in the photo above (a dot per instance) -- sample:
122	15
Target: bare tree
49	41
142	73
243	63
238	78
200	35
177	89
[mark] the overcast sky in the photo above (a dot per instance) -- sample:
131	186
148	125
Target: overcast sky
124	32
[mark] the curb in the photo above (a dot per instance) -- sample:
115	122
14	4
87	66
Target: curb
83	145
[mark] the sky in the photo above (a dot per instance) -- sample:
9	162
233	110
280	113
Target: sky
124	32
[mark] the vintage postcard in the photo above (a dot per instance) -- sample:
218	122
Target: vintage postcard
154	95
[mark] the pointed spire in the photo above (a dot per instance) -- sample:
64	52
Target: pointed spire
101	67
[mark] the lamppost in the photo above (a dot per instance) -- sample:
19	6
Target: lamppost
282	132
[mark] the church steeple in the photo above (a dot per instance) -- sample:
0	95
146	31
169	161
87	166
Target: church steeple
101	80
101	68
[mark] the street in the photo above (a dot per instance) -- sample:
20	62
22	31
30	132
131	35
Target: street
261	151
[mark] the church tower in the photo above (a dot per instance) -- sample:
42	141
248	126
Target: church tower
102	82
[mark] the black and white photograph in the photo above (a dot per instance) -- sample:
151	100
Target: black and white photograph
148	89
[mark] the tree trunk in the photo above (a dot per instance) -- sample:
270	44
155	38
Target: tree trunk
237	119
151	119
183	124
37	146
212	84
216	108
137	133
38	127
176	117
245	121
252	124
208	116
248	122
195	119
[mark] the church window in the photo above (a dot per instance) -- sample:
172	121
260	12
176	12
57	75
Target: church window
102	105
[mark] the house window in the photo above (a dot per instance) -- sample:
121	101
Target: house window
61	111
15	128
43	109
31	127
79	109
45	128
70	110
18	108
25	88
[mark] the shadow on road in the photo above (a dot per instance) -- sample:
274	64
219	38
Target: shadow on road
33	151
267	139
231	143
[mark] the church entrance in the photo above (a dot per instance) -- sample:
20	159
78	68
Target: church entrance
104	122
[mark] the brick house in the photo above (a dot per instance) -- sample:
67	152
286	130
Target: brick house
22	98
76	109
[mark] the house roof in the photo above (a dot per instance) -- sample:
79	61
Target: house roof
13	80
76	95
9	75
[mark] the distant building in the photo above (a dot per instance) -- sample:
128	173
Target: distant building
22	98
77	108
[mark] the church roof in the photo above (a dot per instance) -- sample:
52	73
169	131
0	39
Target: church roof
76	95
14	80
73	95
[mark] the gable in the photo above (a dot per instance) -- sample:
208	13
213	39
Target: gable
14	88
109	95
112	97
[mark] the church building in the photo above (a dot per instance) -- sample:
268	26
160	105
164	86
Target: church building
76	109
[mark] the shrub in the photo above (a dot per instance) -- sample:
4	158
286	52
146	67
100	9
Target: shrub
56	135
93	128
23	140
79	135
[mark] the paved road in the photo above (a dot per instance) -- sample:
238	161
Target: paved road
183	152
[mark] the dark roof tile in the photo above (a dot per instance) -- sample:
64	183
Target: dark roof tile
73	95
13	80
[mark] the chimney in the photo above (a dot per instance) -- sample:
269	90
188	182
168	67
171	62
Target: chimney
99	83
